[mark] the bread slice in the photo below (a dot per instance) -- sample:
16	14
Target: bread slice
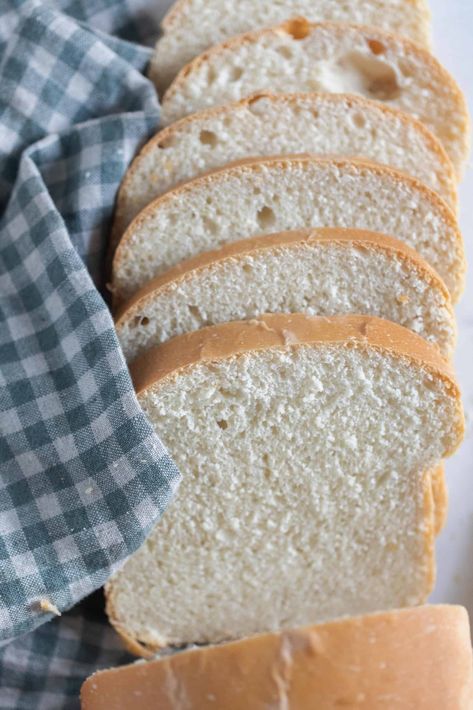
302	443
192	26
319	272
336	58
419	657
265	124
265	195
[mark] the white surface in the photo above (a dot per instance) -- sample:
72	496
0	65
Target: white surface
453	30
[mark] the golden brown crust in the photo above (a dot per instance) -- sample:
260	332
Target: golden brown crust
286	331
428	561
135	647
440	497
268	331
421	656
252	164
166	134
300	27
324	236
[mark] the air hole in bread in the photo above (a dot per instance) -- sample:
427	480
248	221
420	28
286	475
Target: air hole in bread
315	113
266	466
385	90
196	313
365	74
376	47
298	28
236	73
266	218
210	225
211	74
144	320
406	68
166	143
382	480
285	52
358	120
247	268
223	424
208	138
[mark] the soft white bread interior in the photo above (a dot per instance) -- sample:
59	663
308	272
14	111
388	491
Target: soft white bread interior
264	195
335	58
322	272
302	497
192	26
278	124
412	658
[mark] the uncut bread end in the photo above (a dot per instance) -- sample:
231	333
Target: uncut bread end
336	519
422	657
328	57
276	194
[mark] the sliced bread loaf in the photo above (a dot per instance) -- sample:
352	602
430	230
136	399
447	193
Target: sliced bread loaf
265	124
336	58
413	658
320	272
285	193
302	442
192	26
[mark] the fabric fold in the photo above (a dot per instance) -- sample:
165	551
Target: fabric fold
83	476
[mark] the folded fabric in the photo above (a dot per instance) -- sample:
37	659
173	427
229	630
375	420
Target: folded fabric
83	477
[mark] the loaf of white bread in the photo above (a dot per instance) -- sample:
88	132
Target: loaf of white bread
280	124
191	26
328	57
412	659
302	498
322	272
311	439
274	194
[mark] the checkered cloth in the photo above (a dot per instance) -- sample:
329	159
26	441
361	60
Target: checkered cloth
83	477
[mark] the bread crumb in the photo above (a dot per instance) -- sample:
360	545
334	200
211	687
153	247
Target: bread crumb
48	607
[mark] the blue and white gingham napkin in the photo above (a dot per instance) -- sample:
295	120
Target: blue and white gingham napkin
83	477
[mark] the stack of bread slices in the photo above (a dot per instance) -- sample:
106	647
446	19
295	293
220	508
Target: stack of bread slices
286	258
